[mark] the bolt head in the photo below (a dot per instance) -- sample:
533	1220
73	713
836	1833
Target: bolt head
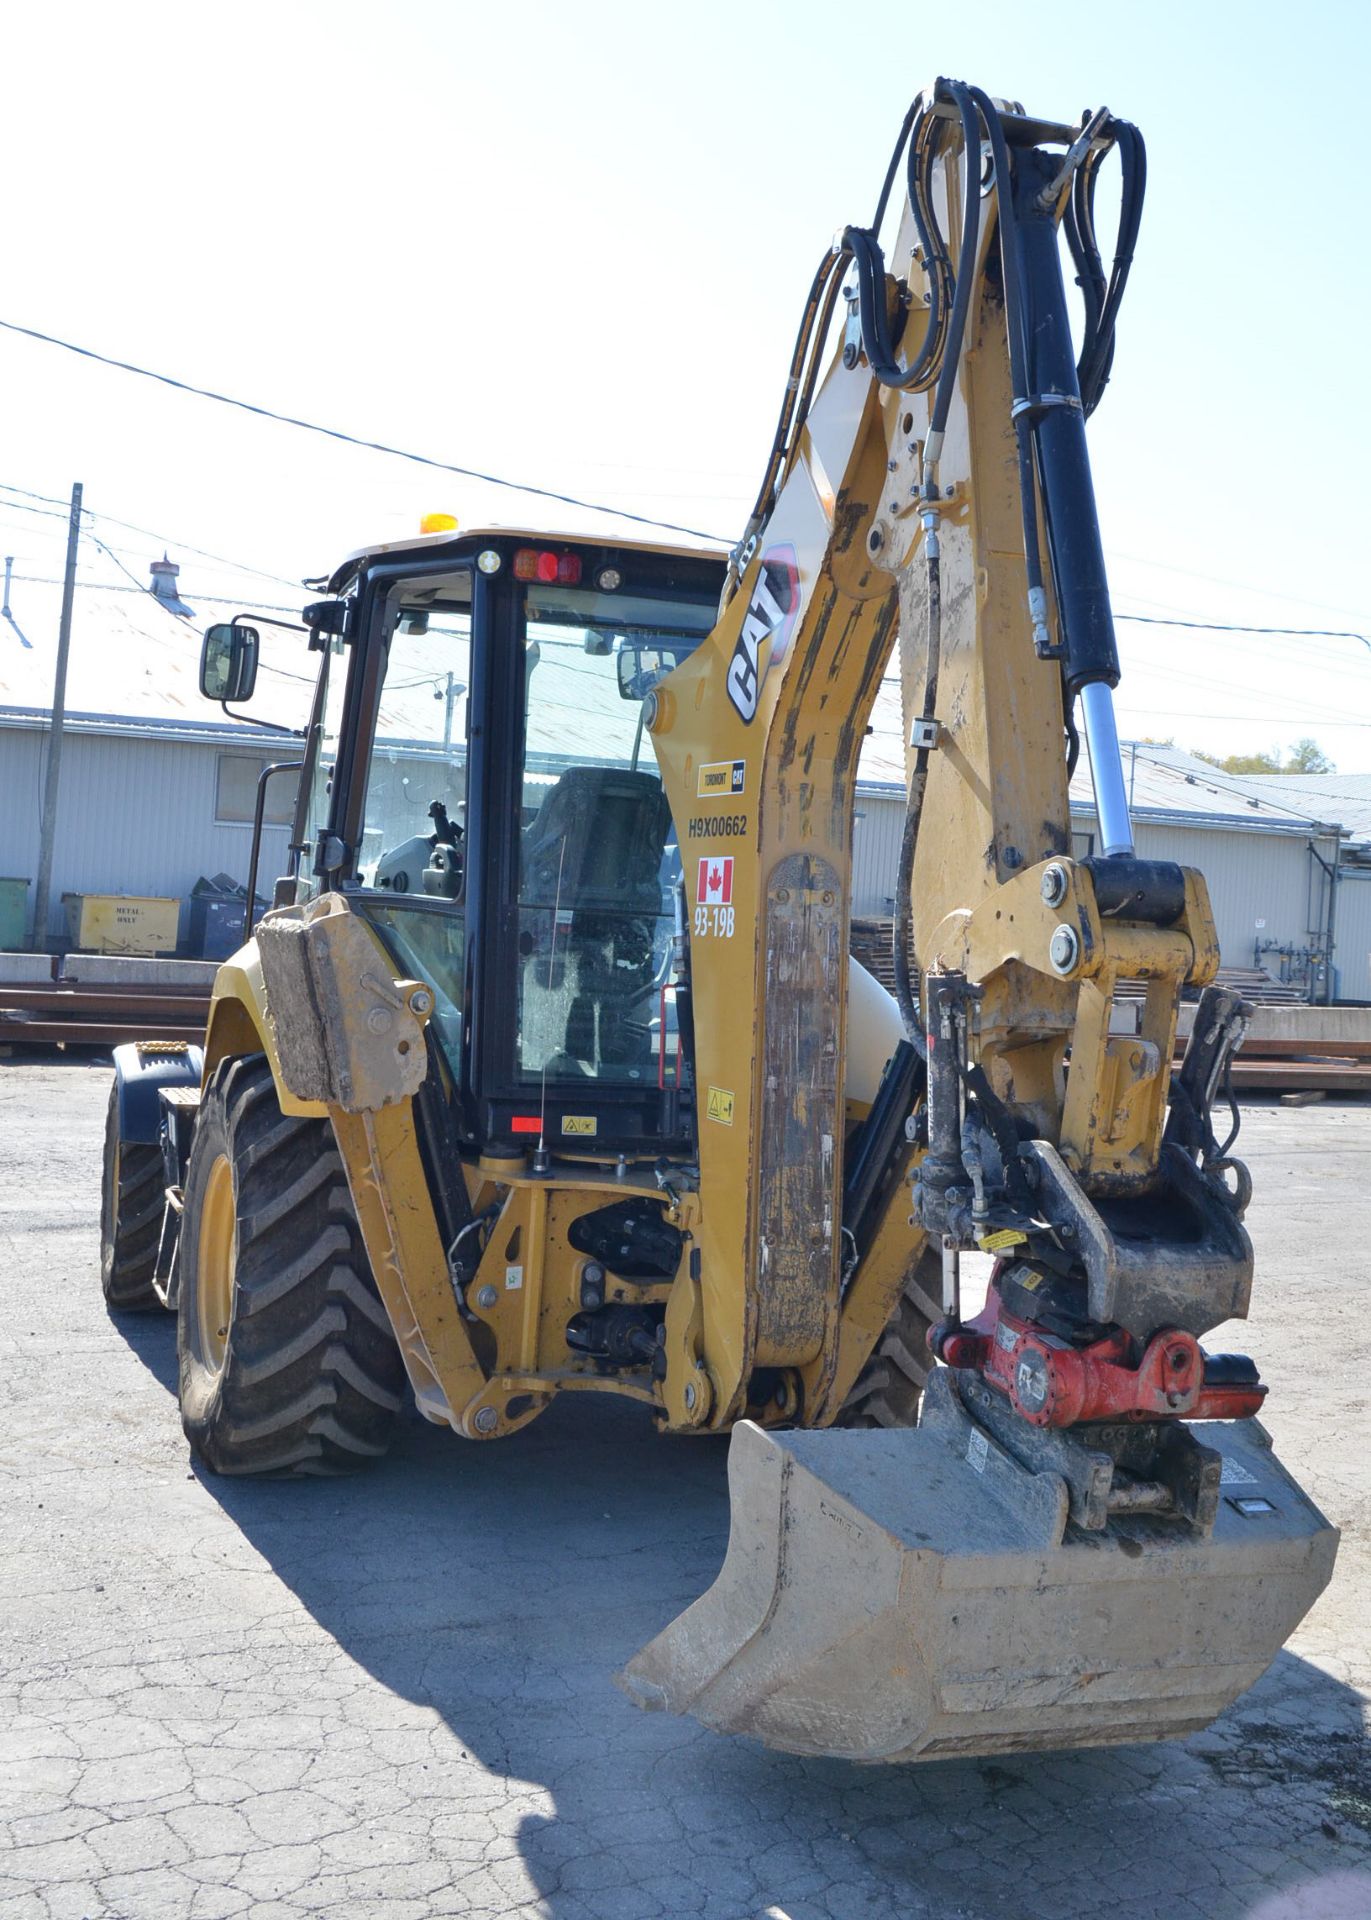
690	1396
487	1420
1054	885
486	1299
1064	948
421	1001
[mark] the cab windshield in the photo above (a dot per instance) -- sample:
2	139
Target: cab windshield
598	861
414	811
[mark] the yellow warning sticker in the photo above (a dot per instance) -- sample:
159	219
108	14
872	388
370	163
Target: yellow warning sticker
578	1123
719	1106
1002	1237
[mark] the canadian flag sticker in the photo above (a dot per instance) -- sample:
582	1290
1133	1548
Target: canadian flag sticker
715	887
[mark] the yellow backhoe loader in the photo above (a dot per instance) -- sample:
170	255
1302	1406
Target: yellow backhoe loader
548	1070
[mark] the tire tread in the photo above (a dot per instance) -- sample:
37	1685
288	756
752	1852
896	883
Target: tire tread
131	1220
887	1391
313	1377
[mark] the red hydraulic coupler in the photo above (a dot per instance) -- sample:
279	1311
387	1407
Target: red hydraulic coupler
1053	1384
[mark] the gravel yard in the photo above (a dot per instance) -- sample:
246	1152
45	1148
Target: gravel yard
390	1697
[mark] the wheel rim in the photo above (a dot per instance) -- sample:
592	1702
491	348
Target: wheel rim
214	1264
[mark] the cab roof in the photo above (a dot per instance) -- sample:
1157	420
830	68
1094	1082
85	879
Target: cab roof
459	544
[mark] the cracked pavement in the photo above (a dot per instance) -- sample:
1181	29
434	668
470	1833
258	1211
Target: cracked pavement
391	1697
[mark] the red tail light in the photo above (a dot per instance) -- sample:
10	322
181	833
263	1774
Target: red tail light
540	563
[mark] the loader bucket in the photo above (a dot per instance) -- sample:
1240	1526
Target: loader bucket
918	1594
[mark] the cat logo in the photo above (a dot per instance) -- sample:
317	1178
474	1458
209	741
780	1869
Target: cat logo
722	780
770	620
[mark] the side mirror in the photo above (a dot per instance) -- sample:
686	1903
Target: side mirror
640	669
228	662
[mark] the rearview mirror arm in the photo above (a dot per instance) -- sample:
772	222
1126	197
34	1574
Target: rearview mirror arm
268	726
248	720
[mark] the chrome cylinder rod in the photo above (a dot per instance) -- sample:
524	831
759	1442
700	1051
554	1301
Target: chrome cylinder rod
1106	768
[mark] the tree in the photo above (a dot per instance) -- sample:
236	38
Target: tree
1243	762
1306	756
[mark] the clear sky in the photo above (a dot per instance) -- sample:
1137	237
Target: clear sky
568	244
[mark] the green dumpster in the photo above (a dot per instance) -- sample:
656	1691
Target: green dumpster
13	913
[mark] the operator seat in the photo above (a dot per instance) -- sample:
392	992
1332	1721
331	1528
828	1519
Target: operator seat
594	849
613	825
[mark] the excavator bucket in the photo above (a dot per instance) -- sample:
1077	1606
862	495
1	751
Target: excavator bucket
916	1595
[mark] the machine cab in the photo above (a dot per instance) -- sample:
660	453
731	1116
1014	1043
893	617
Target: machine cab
481	781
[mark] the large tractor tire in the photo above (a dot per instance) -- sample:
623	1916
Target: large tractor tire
288	1363
887	1391
132	1199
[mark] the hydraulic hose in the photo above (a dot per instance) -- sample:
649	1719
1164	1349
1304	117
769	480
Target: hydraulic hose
973	107
913	113
905	963
964	285
1102	301
1012	271
863	245
799	389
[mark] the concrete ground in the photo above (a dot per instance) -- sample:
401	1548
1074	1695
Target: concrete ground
391	1697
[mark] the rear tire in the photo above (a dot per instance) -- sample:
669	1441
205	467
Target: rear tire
287	1360
132	1201
887	1391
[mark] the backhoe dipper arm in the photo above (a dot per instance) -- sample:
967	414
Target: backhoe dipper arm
945	443
1054	1557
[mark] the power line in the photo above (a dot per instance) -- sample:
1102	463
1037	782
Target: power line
48	513
165	540
1350	666
355	440
1228	626
1116	554
164	639
128	572
183	546
1215	626
114	586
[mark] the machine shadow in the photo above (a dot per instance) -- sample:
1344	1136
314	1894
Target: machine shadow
504	1586
151	1338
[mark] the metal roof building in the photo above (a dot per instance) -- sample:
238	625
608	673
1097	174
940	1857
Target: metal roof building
157	789
1284	882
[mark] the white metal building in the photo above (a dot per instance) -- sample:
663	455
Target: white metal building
1270	860
147	807
158	789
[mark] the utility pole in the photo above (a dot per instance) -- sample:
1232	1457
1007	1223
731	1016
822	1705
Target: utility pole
454	692
47	832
